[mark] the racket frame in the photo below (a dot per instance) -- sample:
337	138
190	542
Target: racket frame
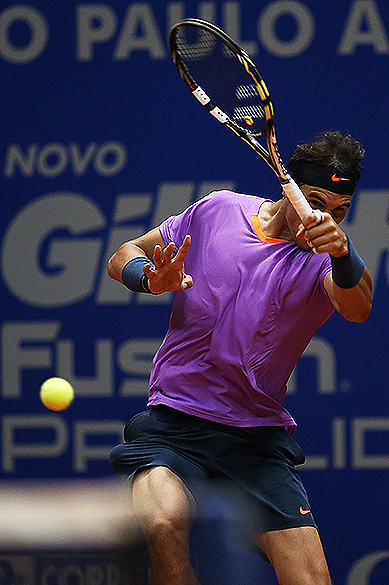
271	156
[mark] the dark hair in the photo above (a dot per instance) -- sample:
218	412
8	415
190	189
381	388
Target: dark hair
333	149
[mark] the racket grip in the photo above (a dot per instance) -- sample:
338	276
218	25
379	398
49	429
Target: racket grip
297	199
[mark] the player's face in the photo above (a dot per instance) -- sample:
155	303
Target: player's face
333	203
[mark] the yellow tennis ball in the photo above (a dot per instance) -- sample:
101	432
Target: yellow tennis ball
56	393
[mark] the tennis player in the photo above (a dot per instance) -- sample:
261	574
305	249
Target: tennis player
255	288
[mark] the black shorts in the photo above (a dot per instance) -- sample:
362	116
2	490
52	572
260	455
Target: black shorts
257	464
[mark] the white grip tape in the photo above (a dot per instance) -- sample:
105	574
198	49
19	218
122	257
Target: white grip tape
201	96
297	198
219	114
204	99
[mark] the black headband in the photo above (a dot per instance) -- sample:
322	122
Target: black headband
329	178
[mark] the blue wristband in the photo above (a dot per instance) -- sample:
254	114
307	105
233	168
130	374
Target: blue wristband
133	276
348	269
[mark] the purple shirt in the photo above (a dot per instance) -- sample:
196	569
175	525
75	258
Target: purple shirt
236	335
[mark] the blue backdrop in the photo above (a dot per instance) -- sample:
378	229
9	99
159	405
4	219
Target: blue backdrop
100	141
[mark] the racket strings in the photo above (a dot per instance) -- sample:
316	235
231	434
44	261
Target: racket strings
222	75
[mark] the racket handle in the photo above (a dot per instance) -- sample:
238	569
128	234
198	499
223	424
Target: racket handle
297	199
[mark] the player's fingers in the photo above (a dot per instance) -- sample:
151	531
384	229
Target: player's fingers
300	231
186	242
149	270
183	249
167	253
321	233
157	255
315	218
187	282
331	241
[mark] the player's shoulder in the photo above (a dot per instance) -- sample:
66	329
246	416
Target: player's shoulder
233	198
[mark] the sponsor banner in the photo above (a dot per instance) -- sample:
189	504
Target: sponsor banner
100	142
66	568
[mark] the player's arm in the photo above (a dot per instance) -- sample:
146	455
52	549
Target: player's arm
145	264
348	284
353	303
140	247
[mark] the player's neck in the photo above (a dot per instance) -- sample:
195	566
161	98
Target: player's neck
272	219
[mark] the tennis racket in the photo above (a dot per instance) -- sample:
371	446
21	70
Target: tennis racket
226	82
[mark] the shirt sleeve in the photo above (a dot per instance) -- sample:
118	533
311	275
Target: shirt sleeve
175	228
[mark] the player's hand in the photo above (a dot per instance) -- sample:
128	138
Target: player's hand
325	236
169	273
